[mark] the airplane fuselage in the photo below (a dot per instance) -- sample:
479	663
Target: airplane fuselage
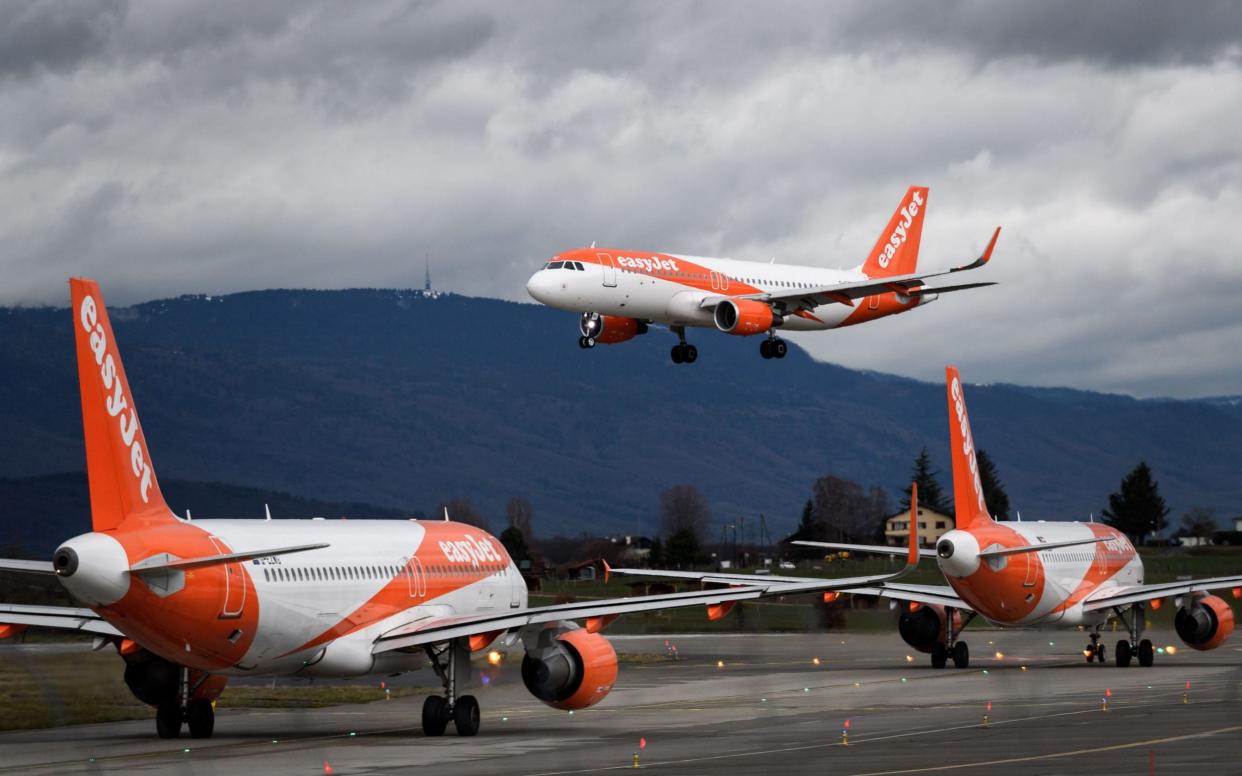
671	288
1038	589
313	613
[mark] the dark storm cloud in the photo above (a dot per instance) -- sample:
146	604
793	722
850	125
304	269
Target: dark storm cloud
54	36
181	147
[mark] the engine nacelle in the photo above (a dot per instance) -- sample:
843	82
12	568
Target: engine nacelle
924	626
610	329
154	680
743	317
570	669
1205	623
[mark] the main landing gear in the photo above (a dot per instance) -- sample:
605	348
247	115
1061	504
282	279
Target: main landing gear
773	347
683	352
951	647
1136	646
196	713
1095	650
448	660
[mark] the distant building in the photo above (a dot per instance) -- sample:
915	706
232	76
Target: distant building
636	548
932	525
1237	524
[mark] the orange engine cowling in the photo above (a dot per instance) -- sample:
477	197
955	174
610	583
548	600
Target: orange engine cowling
610	329
570	669
923	625
743	317
1204	624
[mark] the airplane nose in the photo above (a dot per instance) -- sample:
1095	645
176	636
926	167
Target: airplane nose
540	286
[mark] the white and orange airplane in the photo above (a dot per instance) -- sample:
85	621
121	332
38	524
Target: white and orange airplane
620	292
1031	575
189	603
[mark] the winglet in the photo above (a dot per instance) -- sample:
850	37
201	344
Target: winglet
984	257
912	559
607	570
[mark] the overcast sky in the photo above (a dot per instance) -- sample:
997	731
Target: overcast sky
192	147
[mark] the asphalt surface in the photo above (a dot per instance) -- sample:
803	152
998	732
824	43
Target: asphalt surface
766	708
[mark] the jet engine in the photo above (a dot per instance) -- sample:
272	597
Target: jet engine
1204	623
610	329
569	668
923	625
743	317
155	681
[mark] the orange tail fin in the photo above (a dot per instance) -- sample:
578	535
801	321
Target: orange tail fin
118	461
968	503
897	250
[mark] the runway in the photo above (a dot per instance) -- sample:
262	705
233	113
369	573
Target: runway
765	707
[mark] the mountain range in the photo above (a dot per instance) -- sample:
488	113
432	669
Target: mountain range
402	400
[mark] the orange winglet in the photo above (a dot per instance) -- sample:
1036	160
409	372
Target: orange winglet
481	641
597	624
128	647
987	252
10	631
912	558
831	596
718	611
607	572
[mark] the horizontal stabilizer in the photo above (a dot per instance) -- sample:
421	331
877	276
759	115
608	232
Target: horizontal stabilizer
878	549
1004	551
159	565
27	566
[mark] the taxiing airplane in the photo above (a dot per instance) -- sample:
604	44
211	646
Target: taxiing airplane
189	603
620	292
1033	575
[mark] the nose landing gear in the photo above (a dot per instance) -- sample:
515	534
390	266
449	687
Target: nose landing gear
1095	650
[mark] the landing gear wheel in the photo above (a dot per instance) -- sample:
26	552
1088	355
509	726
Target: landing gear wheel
678	354
691	354
939	655
1100	655
200	717
168	720
1146	653
466	716
961	655
583	343
1122	654
779	348
765	348
435	716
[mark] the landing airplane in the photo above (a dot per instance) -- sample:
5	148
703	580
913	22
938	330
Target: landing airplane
1031	575
189	603
623	291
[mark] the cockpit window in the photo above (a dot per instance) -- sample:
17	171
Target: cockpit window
578	266
555	264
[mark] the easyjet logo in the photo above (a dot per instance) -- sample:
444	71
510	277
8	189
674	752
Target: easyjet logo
968	440
116	403
650	265
898	237
470	550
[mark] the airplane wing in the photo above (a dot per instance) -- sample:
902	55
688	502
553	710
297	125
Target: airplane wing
433	630
935	595
1129	594
846	293
61	617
